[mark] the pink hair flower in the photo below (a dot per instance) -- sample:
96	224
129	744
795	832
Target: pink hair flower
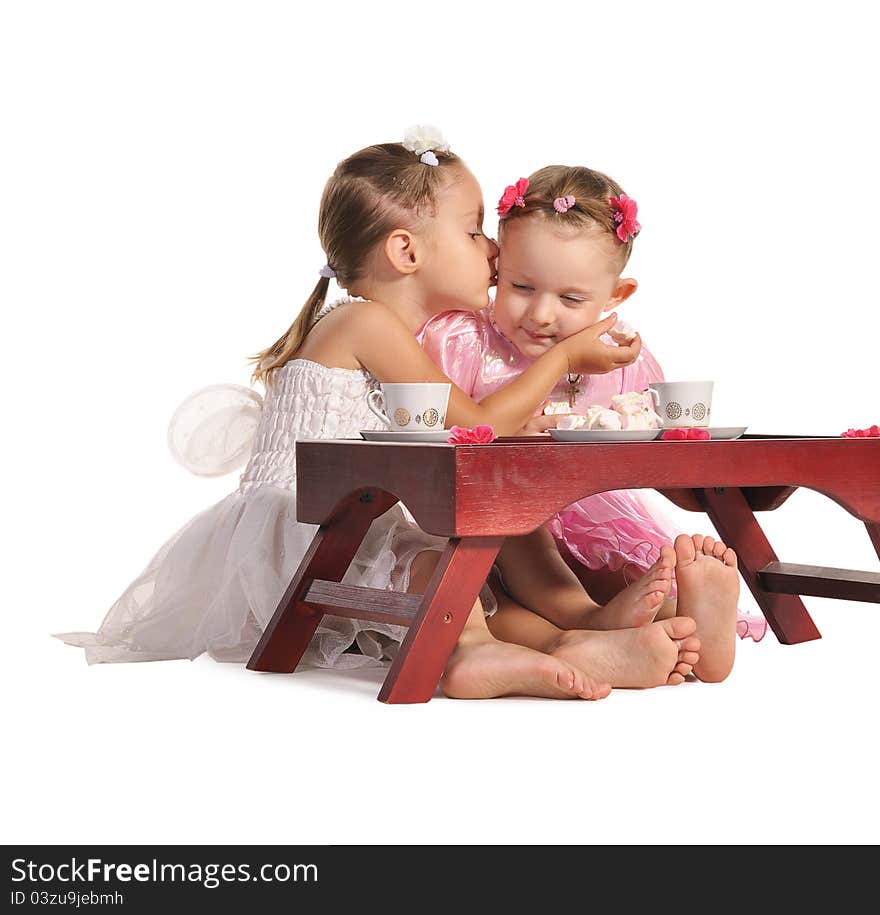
625	212
514	195
870	432
479	435
685	435
563	204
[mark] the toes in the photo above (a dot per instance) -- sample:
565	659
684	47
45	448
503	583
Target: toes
667	556
684	669
691	643
679	627
674	679
685	551
688	657
662	584
729	558
708	546
596	690
720	549
698	542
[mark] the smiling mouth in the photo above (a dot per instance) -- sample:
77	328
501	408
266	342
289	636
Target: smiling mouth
537	336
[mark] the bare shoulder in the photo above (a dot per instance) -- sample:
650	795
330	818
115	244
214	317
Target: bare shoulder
366	315
329	340
338	337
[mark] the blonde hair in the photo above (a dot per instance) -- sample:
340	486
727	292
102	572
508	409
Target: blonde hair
371	193
592	208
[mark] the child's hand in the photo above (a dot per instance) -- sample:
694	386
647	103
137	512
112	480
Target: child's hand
588	355
539	424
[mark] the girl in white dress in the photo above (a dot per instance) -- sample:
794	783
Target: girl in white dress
401	225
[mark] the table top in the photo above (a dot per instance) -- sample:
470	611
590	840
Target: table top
516	483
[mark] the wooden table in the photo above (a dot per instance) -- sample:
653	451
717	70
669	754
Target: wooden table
476	495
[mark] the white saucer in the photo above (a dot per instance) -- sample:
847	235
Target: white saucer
389	435
726	432
604	435
719	433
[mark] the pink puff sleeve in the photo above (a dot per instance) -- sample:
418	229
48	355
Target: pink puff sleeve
455	340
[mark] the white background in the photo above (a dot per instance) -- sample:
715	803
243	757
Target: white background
161	169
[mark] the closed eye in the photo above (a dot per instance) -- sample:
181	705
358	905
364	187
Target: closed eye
521	286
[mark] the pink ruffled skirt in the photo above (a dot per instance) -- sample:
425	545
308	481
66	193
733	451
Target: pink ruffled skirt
616	530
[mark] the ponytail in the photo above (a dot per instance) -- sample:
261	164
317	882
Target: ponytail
287	345
371	193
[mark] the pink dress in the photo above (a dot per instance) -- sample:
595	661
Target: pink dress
608	530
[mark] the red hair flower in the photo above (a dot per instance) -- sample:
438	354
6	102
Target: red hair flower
870	432
625	212
479	435
514	195
685	435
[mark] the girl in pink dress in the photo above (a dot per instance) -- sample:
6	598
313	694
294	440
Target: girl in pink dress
565	236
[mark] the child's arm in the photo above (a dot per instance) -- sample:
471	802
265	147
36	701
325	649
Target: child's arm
383	344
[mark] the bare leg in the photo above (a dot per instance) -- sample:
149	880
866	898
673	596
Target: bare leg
537	577
601	584
708	589
604	584
661	653
481	667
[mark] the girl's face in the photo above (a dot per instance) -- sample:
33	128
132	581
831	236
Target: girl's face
552	284
460	268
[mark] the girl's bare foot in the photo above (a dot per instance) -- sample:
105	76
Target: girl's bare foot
708	589
637	604
483	668
659	654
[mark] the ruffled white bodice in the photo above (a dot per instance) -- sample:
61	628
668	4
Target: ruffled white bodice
305	400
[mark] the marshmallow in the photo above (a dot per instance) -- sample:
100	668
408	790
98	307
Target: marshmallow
571	421
628	411
622	329
636	410
596	418
557	406
602	418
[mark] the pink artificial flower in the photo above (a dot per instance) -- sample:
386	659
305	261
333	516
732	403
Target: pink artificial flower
563	204
514	195
870	432
479	435
685	435
625	212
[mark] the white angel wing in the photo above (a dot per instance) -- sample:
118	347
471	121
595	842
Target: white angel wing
212	431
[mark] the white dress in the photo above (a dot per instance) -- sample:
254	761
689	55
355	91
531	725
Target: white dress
215	584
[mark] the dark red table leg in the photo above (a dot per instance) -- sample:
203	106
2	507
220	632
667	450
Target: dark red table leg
874	534
294	623
737	526
446	604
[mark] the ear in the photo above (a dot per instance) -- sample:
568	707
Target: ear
622	291
401	251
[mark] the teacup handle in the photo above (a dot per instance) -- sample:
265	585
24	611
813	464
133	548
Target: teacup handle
377	395
655	397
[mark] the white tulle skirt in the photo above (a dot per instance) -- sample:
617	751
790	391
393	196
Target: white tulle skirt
214	586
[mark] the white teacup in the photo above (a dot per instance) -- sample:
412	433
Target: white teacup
413	407
682	403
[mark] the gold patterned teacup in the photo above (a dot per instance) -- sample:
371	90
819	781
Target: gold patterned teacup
416	407
682	403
